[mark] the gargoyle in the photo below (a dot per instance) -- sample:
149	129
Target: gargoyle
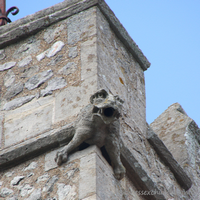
98	124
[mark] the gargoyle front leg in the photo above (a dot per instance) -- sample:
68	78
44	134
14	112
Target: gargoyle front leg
113	149
80	136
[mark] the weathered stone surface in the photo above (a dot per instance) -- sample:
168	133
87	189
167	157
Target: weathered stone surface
50	162
42	178
14	90
26	189
17	180
39	144
73	52
54	84
50	184
38	79
26	49
42	55
168	159
69	102
81	25
69	68
87	183
56	47
51	34
5	192
124	36
32	166
15	103
138	176
26	61
1	129
27	73
54	61
19	29
195	130
38	115
7	65
9	79
88	59
64	191
2	55
35	195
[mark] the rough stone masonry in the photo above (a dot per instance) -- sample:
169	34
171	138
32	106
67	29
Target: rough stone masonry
51	62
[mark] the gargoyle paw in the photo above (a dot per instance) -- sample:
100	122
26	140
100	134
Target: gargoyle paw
119	172
60	158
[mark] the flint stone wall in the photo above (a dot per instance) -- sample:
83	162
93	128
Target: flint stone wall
82	177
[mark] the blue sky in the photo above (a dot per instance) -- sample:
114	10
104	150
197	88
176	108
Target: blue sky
168	33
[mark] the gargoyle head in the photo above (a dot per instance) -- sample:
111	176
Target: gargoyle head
106	106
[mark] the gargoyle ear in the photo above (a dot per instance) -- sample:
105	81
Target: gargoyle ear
99	94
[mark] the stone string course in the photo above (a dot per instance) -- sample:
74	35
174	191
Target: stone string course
47	74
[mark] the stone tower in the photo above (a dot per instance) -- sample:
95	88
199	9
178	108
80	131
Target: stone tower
51	62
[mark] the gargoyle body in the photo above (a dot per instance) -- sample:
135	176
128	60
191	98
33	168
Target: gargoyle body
98	124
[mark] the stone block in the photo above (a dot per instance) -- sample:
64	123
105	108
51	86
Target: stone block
27	121
51	34
171	127
70	101
2	55
27	73
169	160
73	52
38	79
35	195
92	197
1	129
81	26
27	48
50	161
7	65
89	58
14	90
27	60
54	84
9	79
87	181
17	102
69	68
56	47
106	184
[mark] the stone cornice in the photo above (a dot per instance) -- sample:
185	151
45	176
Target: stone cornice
33	23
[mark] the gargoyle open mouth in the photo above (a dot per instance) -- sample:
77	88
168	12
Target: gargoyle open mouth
107	114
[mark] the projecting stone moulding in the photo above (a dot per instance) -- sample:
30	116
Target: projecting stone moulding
164	154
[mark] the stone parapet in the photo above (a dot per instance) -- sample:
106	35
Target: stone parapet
31	24
180	134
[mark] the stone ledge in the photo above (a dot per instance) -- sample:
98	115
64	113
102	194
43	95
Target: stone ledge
33	23
34	147
164	154
138	176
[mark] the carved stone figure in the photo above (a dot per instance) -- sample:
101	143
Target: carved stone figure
98	124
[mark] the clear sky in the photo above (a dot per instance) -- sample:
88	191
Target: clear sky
168	33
